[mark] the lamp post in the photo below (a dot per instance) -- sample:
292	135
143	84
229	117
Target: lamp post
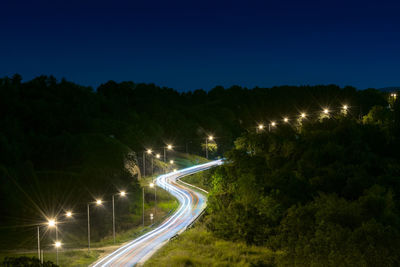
150	152
144	164
38	241
157	157
272	124
98	202
143	205
260	127
286	119
169	147
155	198
208	138
122	194
344	109
53	223
57	244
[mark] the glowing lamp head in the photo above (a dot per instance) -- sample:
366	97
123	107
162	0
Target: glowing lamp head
273	124
158	156
303	115
149	151
99	201
285	119
210	137
260	127
326	111
68	214
345	107
51	223
171	161
122	193
169	147
57	244
151	185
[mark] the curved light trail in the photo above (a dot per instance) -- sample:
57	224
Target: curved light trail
191	204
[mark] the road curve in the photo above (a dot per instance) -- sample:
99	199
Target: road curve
191	204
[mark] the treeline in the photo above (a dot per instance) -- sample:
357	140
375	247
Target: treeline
325	192
62	144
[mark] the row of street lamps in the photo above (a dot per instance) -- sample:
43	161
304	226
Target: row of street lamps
52	222
157	155
165	149
302	115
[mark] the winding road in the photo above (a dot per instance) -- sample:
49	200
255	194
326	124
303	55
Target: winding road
191	204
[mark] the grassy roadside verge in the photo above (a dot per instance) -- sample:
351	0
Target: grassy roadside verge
199	247
200	179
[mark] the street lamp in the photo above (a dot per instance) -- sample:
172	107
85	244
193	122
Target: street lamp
98	202
303	115
169	147
57	244
171	161
50	223
150	152
209	138
285	119
122	194
53	223
272	124
151	185
68	214
155	198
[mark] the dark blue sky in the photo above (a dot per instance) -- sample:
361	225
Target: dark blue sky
199	44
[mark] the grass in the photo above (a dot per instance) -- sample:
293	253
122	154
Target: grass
65	258
199	247
200	179
183	160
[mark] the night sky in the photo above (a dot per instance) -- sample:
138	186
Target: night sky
200	44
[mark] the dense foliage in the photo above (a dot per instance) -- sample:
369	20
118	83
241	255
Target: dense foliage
326	193
26	261
62	144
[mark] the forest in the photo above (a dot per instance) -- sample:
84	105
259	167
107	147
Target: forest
61	144
324	193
